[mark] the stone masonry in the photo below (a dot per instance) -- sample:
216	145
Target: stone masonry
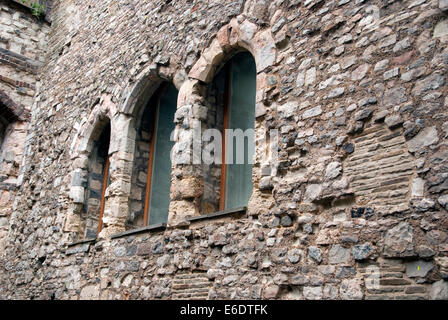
355	206
23	40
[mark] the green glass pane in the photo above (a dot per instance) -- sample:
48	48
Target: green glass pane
161	170
241	116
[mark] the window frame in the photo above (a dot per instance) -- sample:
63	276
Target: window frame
152	145
103	194
227	101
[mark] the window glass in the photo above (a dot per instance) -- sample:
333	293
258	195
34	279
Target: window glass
161	167
241	116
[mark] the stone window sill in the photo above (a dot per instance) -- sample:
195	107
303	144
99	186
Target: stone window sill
154	227
162	226
219	214
79	246
82	242
83	245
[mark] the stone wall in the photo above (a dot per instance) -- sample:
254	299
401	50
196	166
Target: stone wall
354	206
22	47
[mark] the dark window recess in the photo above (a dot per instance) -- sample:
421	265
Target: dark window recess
97	182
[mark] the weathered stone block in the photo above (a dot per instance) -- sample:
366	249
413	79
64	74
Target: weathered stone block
439	290
424	138
288	109
399	241
271	292
90	292
333	170
361	252
443	5
419	268
312	293
418	187
265	50
395	96
339	254
313	112
441	29
432	82
351	289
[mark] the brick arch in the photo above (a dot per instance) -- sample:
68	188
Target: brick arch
87	129
137	94
230	39
12	111
135	98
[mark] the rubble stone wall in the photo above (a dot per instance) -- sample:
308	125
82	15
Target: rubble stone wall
22	48
354	207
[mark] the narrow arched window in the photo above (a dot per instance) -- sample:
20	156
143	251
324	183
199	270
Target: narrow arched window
151	179
231	102
97	182
7	138
239	120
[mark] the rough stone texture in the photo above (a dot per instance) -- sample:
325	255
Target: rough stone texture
339	254
424	138
361	252
22	52
439	290
419	268
23	40
443	5
399	241
380	167
356	196
441	29
351	289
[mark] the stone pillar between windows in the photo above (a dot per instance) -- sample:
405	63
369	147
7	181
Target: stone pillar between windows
121	155
186	183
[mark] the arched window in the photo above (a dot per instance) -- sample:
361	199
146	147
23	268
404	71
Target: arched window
151	178
231	98
7	172
239	114
97	182
7	120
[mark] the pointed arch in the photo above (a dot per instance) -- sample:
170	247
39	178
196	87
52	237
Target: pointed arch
11	111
